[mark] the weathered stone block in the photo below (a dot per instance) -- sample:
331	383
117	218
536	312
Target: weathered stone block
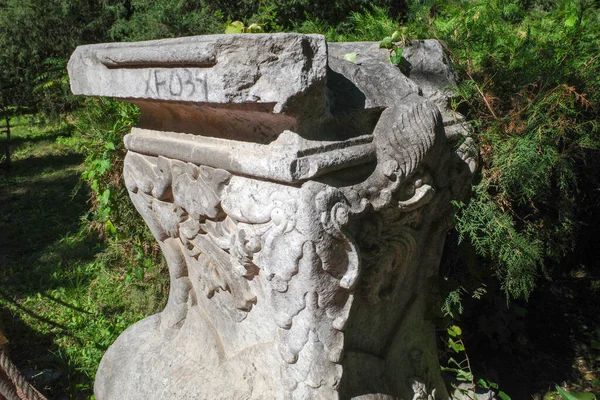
301	202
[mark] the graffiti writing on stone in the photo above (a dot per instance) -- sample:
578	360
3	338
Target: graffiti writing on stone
184	83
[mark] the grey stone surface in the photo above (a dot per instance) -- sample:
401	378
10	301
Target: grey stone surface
301	202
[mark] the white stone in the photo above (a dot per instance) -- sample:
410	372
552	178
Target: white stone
301	202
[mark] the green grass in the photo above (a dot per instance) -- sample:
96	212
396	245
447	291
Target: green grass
64	294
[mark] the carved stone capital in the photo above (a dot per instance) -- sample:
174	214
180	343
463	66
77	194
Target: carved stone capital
301	202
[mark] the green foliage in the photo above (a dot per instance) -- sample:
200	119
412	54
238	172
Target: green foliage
33	32
101	125
388	42
265	19
516	255
359	26
239	27
532	87
64	295
462	369
291	13
153	19
156	19
453	303
53	91
574	396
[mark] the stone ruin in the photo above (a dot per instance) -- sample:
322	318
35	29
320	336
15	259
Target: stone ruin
301	202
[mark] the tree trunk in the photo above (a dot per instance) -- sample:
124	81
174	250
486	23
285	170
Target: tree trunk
6	163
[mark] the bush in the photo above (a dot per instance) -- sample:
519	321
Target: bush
532	87
102	123
156	19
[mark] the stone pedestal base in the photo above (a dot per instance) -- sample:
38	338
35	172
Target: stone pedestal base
301	202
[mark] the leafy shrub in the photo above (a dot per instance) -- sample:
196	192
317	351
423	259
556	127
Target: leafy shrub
532	86
52	89
156	19
36	37
293	12
367	25
102	123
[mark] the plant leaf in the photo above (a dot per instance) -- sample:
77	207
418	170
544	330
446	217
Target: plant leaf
110	227
464	376
350	57
456	346
397	58
503	395
574	396
454	331
571	21
386	43
254	28
235	27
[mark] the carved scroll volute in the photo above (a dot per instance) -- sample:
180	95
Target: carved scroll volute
405	140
